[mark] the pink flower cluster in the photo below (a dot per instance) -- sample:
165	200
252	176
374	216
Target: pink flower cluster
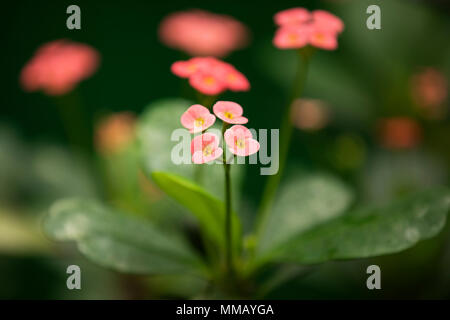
205	147
298	27
58	66
201	33
211	76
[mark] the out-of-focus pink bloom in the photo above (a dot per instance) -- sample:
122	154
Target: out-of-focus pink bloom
292	16
327	21
399	133
429	88
234	80
205	148
207	83
210	76
309	114
185	69
197	118
240	141
115	132
299	28
319	37
229	112
291	37
58	66
201	33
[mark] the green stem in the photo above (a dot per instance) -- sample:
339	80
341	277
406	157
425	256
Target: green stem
74	120
228	225
286	131
205	100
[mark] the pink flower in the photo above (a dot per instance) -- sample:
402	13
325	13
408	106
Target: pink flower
185	69
289	37
229	112
327	21
201	33
197	118
299	28
429	88
319	37
210	76
58	66
205	148
292	16
234	80
309	114
115	132
240	142
207	83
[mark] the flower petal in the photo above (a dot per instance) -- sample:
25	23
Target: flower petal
251	147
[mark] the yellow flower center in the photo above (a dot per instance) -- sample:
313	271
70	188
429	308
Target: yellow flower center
240	143
228	115
292	37
199	122
207	151
319	37
209	80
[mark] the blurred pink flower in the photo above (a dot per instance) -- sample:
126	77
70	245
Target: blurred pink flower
205	148
210	76
197	118
327	21
429	90
185	69
58	66
399	132
291	37
292	16
207	83
201	33
229	112
115	132
319	37
309	114
298	28
240	142
234	80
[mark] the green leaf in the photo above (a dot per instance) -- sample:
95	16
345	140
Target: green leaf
302	203
209	211
155	129
119	241
371	231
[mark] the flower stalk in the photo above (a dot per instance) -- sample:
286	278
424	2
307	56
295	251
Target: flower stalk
286	130
228	222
